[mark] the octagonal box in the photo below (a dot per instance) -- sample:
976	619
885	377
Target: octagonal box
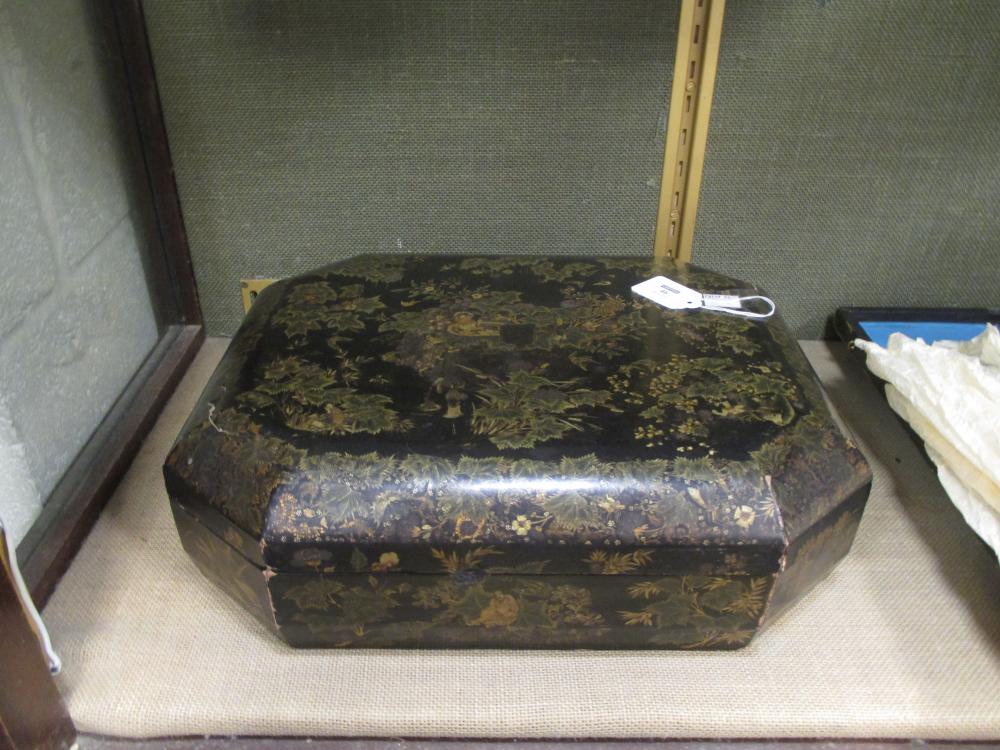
441	451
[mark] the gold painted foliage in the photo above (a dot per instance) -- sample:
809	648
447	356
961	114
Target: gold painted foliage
544	269
317	306
353	606
466	595
722	610
818	553
462	324
317	593
231	460
616	563
223	565
527	408
519	603
493	499
718	332
674	395
358	607
677	611
452	562
312	398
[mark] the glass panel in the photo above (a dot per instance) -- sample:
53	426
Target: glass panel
76	319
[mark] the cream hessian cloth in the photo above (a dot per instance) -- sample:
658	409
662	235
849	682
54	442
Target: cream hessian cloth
902	641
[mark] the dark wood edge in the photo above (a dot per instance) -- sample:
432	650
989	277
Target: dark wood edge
32	713
74	505
847	320
167	222
95	742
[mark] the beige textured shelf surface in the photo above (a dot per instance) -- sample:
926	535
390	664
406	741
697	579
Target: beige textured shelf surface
903	640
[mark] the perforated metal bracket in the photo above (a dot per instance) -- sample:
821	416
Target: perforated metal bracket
698	37
250	288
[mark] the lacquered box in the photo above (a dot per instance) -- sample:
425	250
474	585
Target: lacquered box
475	451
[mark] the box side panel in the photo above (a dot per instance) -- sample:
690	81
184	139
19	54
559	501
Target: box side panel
220	460
469	609
191	503
444	557
813	466
812	556
222	564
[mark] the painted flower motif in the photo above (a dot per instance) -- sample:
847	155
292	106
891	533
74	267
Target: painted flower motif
744	516
310	557
386	561
467	529
521	526
610	505
502	611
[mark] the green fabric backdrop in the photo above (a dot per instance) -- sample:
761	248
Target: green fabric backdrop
303	132
853	154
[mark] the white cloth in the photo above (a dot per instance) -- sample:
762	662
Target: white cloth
949	393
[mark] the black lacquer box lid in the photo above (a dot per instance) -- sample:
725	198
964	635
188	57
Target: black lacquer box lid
454	405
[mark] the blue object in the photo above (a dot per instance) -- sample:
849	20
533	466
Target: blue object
879	330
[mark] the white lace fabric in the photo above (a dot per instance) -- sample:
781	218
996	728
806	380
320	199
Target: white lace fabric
949	393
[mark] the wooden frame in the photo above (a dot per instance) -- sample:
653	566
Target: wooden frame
699	35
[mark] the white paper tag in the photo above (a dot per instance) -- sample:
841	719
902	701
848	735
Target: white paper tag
722	300
669	293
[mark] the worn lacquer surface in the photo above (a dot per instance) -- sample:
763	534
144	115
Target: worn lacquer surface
601	470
